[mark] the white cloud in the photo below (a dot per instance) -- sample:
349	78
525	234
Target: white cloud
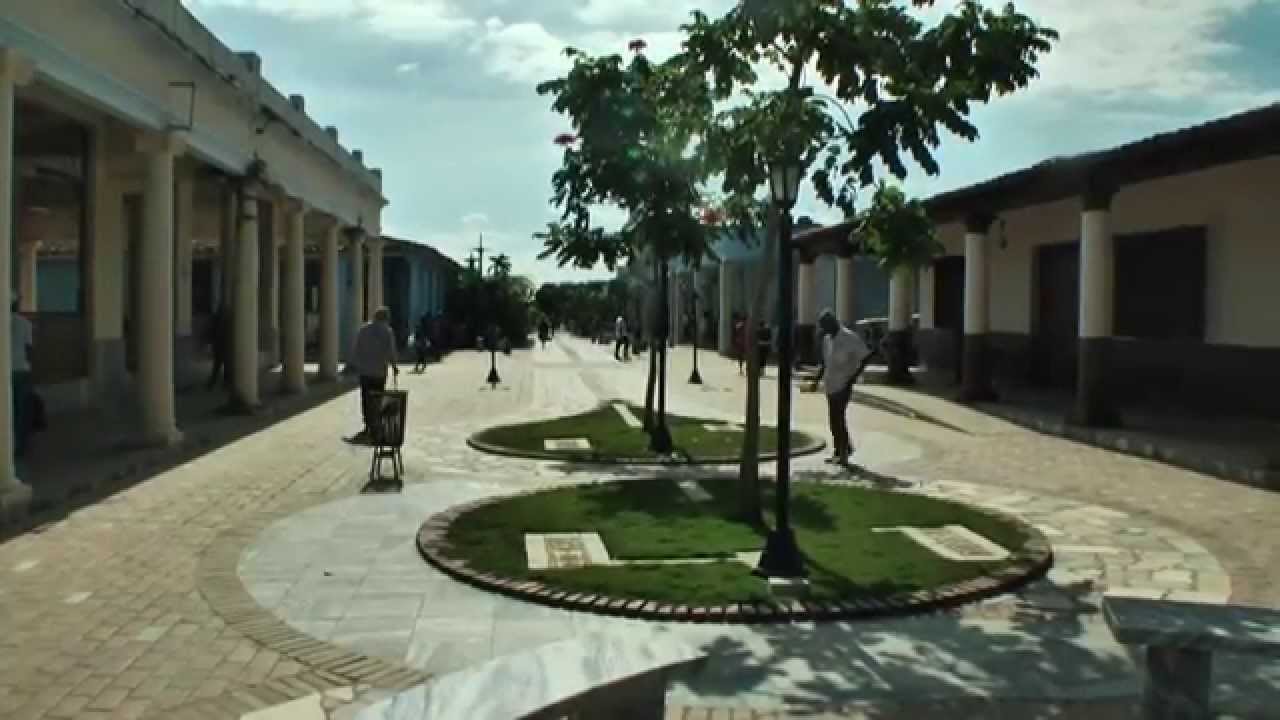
645	14
1169	50
475	218
421	21
528	52
406	68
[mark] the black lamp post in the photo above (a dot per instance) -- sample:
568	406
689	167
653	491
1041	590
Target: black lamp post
781	556
695	378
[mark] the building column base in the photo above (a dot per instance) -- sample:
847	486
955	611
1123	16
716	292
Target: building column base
1093	403
975	384
168	437
15	503
899	349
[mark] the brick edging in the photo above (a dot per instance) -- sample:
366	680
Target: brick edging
329	666
811	446
1029	562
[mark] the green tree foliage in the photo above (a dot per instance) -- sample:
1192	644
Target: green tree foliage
907	83
897	231
634	148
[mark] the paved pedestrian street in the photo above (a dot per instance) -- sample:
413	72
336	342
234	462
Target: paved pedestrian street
259	572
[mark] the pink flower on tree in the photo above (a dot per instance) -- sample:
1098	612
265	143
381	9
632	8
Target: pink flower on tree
637	45
566	139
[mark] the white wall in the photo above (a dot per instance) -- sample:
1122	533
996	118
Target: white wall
1238	205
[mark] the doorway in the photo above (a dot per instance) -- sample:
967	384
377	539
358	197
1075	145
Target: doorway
948	306
1058	323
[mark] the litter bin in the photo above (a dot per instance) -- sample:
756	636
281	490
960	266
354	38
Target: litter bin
388	436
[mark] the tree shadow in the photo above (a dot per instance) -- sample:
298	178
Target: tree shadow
814	668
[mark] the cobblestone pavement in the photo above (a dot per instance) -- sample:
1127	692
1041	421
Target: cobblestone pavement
100	616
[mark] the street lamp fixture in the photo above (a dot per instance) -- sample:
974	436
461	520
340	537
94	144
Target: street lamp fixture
781	557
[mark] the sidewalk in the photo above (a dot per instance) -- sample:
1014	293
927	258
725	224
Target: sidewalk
1239	449
85	456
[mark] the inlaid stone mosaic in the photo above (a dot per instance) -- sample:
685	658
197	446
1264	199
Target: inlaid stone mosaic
566	444
953	542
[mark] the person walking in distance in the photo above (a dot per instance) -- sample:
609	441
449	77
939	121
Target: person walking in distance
21	339
621	343
844	357
373	354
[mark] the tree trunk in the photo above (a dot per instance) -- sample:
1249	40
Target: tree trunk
648	328
749	506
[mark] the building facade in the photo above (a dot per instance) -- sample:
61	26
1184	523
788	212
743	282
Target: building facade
159	173
1146	273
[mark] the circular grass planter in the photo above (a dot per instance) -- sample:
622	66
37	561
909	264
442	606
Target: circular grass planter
614	443
461	542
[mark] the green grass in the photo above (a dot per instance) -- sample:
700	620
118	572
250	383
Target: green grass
652	519
611	438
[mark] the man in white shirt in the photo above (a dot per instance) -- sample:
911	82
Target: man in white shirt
21	339
844	357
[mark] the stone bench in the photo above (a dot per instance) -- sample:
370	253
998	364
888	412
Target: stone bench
1180	639
620	677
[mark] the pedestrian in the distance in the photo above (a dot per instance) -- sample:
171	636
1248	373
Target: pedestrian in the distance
739	341
844	357
421	344
544	332
621	341
373	354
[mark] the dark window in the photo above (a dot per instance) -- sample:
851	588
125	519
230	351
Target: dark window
1160	284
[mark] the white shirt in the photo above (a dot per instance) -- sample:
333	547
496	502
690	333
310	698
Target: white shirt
842	355
20	339
619	327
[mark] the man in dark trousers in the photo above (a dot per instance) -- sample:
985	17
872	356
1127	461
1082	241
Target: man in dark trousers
844	357
374	352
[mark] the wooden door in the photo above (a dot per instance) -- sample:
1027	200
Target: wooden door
1058	322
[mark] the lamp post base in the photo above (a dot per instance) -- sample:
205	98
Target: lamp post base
660	439
493	378
781	556
695	378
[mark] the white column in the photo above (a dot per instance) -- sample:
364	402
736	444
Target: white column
329	332
1097	274
724	332
155	312
294	341
376	299
28	271
227	246
245	364
105	294
925	288
900	299
806	292
14	71
355	246
846	297
1094	404
975	283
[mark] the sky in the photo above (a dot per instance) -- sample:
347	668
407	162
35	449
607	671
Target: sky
440	93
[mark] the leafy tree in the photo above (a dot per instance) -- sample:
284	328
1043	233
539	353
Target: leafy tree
907	83
635	125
